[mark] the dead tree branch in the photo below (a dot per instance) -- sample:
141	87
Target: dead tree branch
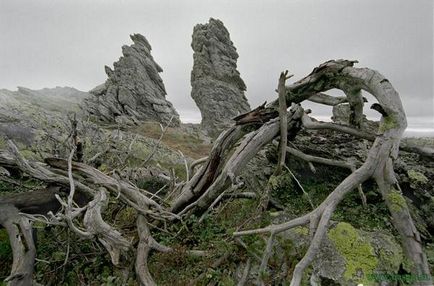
231	168
341	74
20	235
283	122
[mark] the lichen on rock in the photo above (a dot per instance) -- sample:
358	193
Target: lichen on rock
358	253
416	178
349	256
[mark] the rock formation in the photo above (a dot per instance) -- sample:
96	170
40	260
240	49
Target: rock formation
217	87
341	115
134	91
56	99
25	113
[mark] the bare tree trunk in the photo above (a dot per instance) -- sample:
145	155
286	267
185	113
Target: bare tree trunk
23	247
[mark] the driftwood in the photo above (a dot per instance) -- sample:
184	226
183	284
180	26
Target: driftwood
220	172
379	164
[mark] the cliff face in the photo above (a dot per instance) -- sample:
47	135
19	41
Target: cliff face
217	87
134	90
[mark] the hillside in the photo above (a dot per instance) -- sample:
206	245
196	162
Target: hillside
86	202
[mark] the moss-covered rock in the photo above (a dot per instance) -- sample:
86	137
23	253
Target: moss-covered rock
349	256
396	200
416	178
357	251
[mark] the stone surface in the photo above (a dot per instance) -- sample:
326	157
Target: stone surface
25	113
134	90
349	256
217	87
341	115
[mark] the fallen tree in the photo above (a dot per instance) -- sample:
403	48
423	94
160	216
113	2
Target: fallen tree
220	171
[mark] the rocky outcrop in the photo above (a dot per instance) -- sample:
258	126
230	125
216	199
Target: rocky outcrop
341	115
56	99
217	87
134	90
25	112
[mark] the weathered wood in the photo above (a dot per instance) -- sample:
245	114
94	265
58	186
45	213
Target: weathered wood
241	155
23	248
283	122
207	174
109	237
341	74
34	202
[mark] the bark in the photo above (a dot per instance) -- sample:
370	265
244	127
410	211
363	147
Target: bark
110	238
283	123
19	230
326	99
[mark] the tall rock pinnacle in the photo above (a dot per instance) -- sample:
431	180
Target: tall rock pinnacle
217	87
134	90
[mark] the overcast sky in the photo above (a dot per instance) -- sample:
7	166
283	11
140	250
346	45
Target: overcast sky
48	43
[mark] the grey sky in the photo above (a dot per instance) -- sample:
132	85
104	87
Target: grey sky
67	43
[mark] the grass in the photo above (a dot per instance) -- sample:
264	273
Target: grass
189	144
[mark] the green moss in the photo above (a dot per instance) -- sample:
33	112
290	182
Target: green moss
126	217
389	253
429	250
302	230
356	250
152	184
287	246
2	143
407	264
282	187
396	200
388	123
28	154
416	178
273	181
103	168
5	254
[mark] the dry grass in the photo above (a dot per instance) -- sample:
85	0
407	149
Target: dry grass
189	144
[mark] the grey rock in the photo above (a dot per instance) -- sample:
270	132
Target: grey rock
133	91
346	267
52	99
341	115
25	113
217	87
